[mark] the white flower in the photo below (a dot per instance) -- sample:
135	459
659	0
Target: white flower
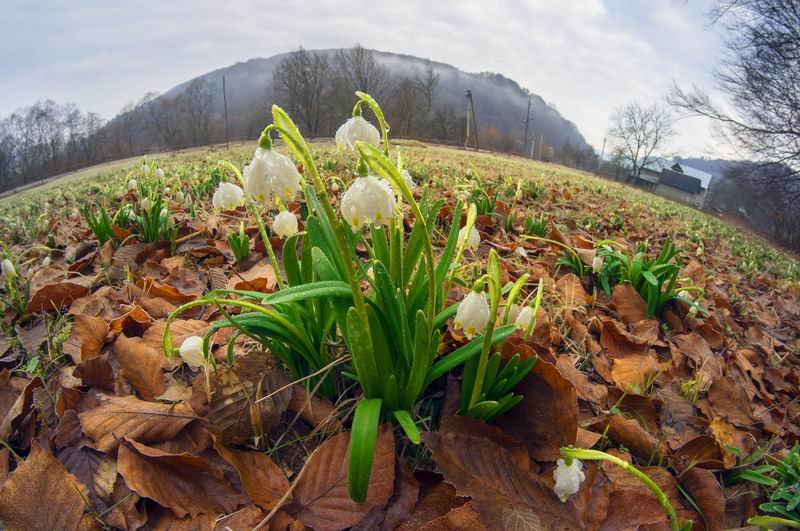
684	294
568	478
473	239
191	352
524	318
521	252
285	224
179	197
144	170
8	268
286	180
164	212
408	179
227	197
597	263
167	190
368	201
132	184
257	182
145	204
159	173
46	261
473	314
355	129
335	187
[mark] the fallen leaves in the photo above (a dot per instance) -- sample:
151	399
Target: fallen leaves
321	490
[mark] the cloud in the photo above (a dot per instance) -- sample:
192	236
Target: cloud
585	56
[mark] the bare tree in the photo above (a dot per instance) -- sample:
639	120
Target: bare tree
639	132
355	69
164	117
301	82
760	74
196	105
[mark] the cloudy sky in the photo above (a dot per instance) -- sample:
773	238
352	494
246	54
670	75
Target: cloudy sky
584	56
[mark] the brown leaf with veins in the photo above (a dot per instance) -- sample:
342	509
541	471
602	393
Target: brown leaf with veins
618	342
707	494
632	373
86	338
261	478
145	422
41	494
97	471
321	488
505	495
53	297
185	483
140	364
466	518
547	417
630	306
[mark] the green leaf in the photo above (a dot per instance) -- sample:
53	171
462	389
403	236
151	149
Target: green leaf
755	477
321	289
360	346
649	277
407	423
291	264
464	353
361	452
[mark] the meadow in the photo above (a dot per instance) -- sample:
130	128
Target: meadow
406	336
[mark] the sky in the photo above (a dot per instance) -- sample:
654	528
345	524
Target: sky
586	57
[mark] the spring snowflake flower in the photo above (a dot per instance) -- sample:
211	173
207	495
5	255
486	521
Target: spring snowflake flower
408	179
227	197
524	318
145	204
46	261
473	314
144	170
286	180
132	184
167	190
597	264
368	201
191	352
257	181
473	239
8	268
179	196
568	478
159	173
285	224
355	129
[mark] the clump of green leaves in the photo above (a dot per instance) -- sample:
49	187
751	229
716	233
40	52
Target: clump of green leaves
240	243
535	226
99	221
782	481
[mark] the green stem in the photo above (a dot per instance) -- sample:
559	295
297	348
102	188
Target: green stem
483	360
369	100
256	210
596	455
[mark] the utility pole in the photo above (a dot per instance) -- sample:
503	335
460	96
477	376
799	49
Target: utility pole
225	103
541	141
602	152
527	121
533	144
471	120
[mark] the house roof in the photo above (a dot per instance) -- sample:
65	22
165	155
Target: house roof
681	181
704	177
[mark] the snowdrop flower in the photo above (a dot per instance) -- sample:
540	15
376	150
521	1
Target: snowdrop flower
145	204
368	201
179	197
355	129
257	182
159	173
568	478
597	264
285	224
132	184
408	179
8	268
473	314
191	352
286	180
227	197
144	170
524	318
473	239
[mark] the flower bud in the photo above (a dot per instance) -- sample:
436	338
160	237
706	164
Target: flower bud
473	314
144	170
597	264
145	204
191	352
159	173
227	197
473	239
132	185
8	268
568	478
285	224
179	196
368	201
524	318
46	261
357	129
167	190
